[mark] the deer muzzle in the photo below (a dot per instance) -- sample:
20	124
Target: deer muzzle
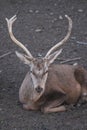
39	89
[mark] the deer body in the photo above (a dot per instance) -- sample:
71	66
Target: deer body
61	87
48	87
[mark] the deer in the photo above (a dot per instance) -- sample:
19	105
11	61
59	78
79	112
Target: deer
49	87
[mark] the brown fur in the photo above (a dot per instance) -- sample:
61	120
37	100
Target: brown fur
81	76
65	85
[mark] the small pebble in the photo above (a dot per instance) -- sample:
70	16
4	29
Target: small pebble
37	11
31	11
39	55
38	30
0	71
73	38
75	64
51	13
60	17
55	4
80	10
0	109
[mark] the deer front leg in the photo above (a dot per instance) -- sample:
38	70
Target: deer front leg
27	107
54	106
54	109
30	106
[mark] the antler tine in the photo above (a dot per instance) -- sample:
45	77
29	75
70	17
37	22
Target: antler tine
9	24
64	40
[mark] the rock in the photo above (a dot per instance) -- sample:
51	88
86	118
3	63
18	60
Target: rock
39	55
51	13
30	11
38	30
60	17
80	10
37	11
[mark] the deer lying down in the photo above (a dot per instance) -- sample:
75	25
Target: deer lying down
48	87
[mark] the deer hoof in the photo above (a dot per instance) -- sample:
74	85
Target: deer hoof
45	109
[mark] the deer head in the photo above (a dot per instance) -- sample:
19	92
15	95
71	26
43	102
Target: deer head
38	66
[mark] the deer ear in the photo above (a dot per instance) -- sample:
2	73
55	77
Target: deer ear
53	56
23	58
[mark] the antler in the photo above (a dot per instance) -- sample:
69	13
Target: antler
64	40
9	24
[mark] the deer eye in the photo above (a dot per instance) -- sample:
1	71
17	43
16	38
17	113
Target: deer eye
45	72
32	72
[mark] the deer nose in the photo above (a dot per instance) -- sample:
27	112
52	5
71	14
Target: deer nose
39	89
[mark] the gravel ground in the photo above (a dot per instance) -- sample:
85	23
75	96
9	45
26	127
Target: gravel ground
40	25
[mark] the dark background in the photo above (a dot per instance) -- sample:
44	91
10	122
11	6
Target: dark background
40	25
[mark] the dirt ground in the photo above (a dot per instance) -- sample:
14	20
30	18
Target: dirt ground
40	25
